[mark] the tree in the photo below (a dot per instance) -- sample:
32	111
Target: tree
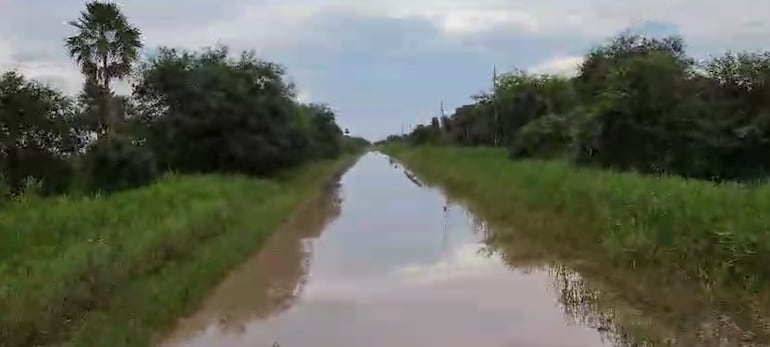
114	163
325	134
37	133
105	47
545	137
642	121
207	112
601	62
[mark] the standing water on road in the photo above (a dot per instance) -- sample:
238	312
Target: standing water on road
382	261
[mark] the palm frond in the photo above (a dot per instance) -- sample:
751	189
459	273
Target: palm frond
105	45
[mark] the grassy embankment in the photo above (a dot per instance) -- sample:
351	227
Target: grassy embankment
116	270
717	233
699	250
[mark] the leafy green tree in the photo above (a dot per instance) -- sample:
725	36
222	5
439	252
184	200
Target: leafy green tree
640	121
521	98
422	134
114	163
37	133
207	112
325	134
546	137
601	62
469	126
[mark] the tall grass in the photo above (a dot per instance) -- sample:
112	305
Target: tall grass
115	270
717	233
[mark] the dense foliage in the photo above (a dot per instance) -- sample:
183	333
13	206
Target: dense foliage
115	163
207	112
201	112
637	104
37	134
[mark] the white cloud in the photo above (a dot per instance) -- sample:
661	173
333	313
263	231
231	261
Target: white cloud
243	23
5	53
566	66
49	72
698	19
479	21
276	24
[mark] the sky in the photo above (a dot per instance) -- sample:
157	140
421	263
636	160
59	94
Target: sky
386	65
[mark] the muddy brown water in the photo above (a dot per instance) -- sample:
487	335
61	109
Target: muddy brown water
381	260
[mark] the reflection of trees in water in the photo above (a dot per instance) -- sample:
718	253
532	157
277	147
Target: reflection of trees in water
480	227
582	305
659	321
628	308
311	223
271	281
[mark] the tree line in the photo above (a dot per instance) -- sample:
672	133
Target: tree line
206	111
636	103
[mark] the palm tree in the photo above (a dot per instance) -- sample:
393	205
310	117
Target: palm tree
105	47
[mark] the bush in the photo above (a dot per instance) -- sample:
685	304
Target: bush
545	137
325	135
53	173
114	164
352	144
37	125
208	112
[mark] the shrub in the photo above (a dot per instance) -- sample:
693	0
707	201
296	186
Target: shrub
545	137
114	164
37	125
208	112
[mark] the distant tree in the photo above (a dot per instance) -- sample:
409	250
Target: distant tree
446	124
545	137
435	124
325	134
353	143
637	103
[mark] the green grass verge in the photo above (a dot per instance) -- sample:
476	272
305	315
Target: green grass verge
662	260
116	270
717	233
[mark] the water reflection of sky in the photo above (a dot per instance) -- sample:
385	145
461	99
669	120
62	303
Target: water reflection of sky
397	269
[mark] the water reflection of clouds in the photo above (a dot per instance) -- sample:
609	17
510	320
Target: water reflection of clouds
387	225
465	262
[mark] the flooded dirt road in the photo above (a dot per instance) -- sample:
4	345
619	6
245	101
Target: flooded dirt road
381	260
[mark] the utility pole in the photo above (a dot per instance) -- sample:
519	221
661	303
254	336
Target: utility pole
496	136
